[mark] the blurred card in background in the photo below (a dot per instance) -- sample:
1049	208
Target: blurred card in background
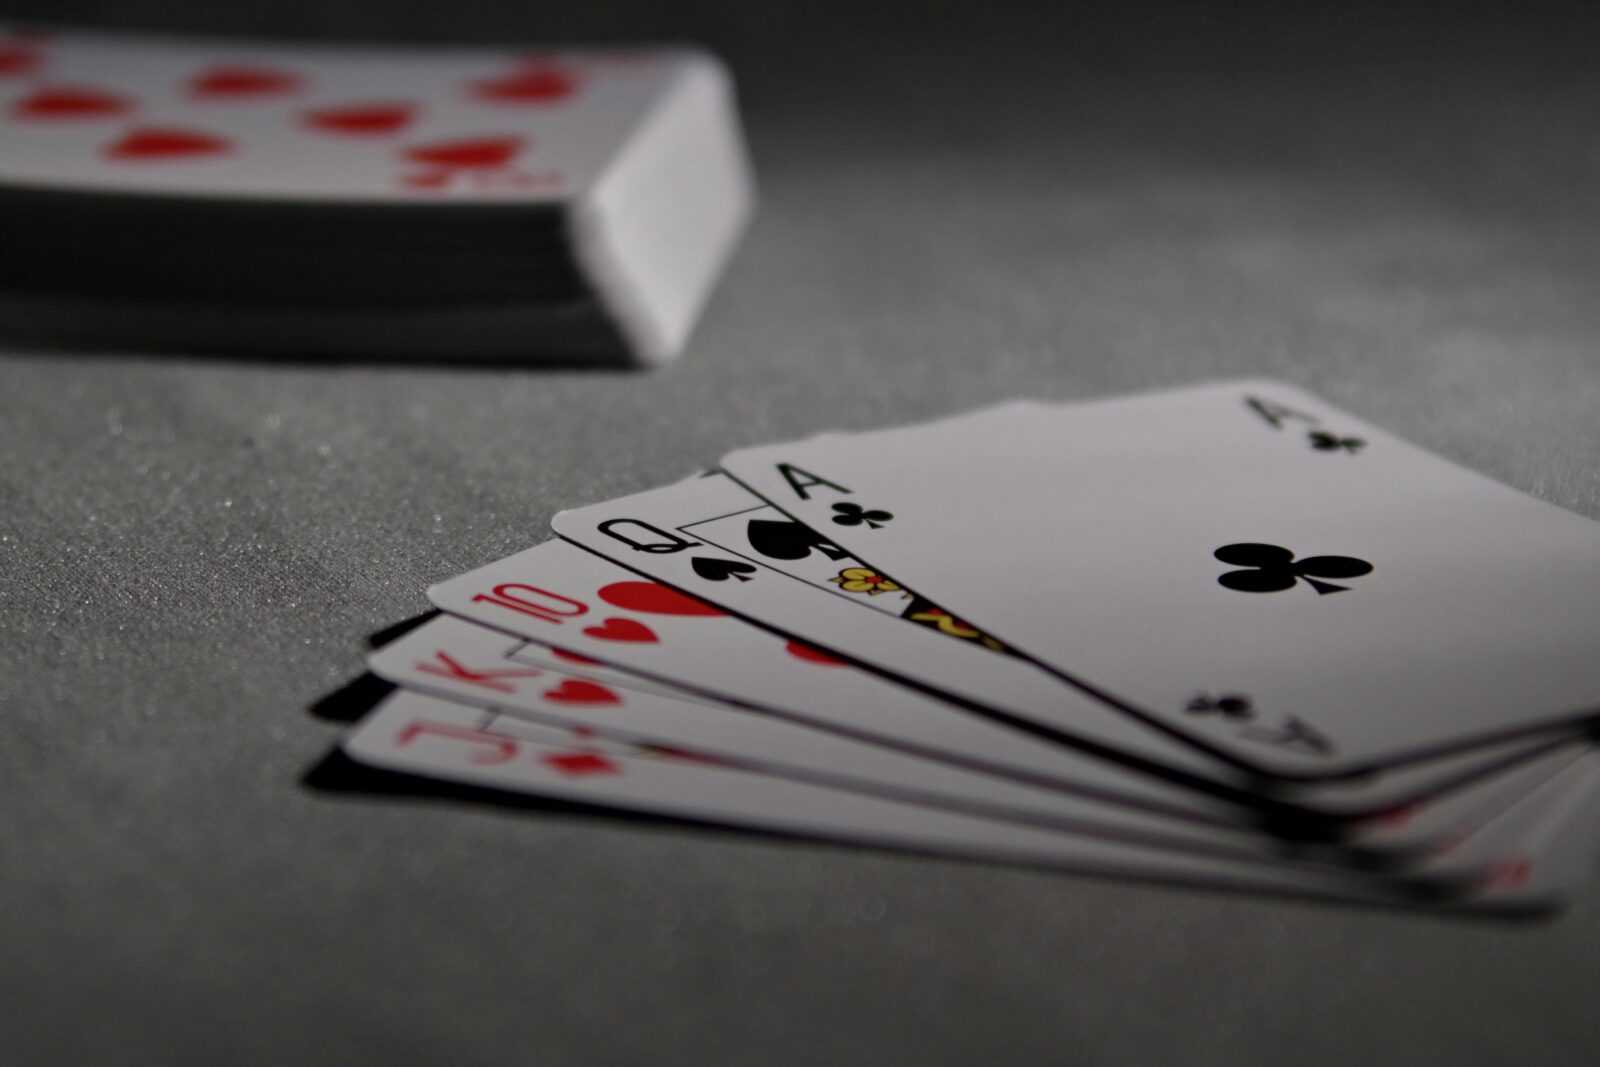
433	203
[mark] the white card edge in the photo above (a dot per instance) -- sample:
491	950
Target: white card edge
651	259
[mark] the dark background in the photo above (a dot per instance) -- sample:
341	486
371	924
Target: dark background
1394	206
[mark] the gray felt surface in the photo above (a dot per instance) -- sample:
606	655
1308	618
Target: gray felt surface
191	550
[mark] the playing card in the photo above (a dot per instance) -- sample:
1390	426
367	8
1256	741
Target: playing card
1547	838
718	541
123	114
1239	563
559	595
421	735
465	662
550	203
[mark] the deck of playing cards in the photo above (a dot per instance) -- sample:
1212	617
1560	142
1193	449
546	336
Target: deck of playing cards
452	203
1225	635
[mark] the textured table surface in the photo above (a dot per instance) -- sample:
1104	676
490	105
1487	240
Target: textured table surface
191	550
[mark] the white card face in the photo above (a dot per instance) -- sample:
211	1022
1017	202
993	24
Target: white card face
580	603
561	595
717	540
216	118
1239	562
421	735
462	661
561	661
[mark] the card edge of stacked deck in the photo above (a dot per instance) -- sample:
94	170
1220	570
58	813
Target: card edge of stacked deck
696	121
1556	808
601	249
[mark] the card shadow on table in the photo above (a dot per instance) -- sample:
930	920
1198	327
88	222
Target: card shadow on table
337	775
565	337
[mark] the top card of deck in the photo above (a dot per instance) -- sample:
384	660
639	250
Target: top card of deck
123	114
1239	561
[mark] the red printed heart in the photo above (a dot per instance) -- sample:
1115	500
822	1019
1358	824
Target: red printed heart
233	83
654	599
573	657
69	102
622	630
153	144
433	179
812	655
540	85
18	58
577	691
361	120
1396	816
579	764
471	153
1510	873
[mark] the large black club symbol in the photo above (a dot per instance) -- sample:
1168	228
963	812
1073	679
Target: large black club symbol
1274	569
854	515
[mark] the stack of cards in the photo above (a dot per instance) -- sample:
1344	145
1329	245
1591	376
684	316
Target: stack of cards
449	203
1225	635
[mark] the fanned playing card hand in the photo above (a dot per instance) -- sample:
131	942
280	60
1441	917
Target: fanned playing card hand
1221	635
